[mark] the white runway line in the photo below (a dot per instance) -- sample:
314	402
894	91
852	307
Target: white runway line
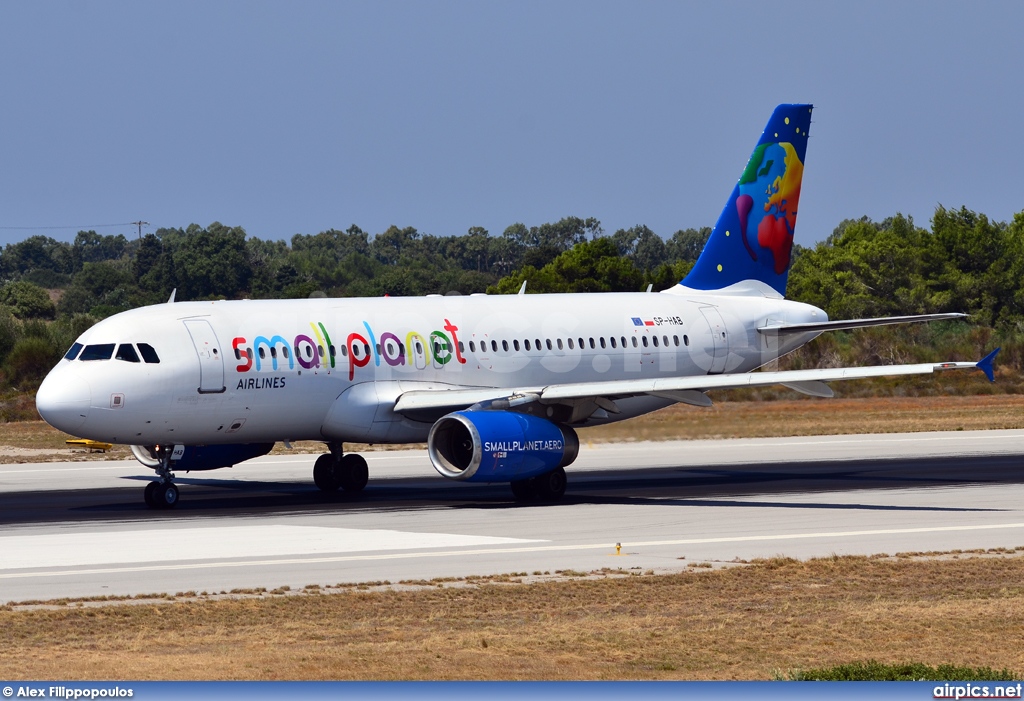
114	547
501	551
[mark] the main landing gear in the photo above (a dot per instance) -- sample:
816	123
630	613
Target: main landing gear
548	487
162	494
333	471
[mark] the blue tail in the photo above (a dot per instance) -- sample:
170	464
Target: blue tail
753	238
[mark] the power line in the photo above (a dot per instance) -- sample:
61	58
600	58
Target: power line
54	228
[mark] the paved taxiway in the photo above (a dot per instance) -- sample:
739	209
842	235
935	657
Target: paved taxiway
80	529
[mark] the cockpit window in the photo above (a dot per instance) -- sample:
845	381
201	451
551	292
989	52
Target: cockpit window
127	352
100	351
148	354
73	351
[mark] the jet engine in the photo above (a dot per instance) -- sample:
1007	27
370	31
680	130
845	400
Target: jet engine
499	446
201	457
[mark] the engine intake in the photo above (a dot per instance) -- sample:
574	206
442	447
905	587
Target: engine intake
498	446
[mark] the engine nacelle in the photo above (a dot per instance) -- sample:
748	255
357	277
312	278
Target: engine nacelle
498	446
202	457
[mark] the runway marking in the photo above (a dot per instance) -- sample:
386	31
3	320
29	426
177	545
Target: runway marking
64	469
502	551
262	541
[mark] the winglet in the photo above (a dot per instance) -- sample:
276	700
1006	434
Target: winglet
985	365
170	300
522	290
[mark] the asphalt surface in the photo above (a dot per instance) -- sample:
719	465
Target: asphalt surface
81	529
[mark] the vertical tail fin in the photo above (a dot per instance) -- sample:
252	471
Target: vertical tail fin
754	234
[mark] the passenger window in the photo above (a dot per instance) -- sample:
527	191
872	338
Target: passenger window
686	340
150	356
570	344
355	351
462	347
126	352
592	345
645	341
581	344
366	347
634	341
284	351
664	340
494	346
612	339
526	343
273	352
332	350
100	351
549	344
238	354
559	344
655	339
537	343
344	351
515	345
472	346
263	352
623	339
504	346
73	351
675	339
602	342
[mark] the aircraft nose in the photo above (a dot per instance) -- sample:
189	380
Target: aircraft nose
63	401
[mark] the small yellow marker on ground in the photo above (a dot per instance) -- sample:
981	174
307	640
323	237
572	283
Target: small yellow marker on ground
618	548
89	445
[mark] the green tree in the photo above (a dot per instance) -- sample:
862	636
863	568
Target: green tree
27	301
212	262
591	266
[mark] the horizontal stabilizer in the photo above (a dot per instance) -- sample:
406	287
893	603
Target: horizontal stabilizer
856	323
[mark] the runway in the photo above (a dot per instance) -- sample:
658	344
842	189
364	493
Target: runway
81	529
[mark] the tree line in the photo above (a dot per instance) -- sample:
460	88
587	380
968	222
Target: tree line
52	290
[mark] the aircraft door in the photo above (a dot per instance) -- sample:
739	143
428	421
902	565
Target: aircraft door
211	361
719	339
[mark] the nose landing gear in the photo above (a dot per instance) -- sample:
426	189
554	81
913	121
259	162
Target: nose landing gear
162	494
333	471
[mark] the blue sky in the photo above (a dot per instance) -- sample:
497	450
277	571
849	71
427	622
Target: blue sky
296	117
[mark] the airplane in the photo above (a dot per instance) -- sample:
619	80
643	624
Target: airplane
496	385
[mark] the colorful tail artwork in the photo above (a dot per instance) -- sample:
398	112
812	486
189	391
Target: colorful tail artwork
753	238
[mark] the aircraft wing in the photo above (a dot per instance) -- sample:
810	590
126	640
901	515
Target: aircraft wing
844	324
684	389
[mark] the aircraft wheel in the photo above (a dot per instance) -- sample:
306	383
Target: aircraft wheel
523	490
551	486
161	495
354	473
325	474
167	496
149	494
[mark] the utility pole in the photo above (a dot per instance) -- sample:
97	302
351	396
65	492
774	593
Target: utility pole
140	224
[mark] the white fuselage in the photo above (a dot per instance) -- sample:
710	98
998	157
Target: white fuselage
263	371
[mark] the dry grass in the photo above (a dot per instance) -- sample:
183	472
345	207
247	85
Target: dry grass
733	623
814	417
34	441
